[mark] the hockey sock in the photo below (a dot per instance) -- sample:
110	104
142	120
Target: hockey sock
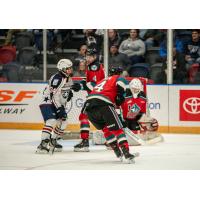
124	144
109	136
57	133
46	132
84	126
121	138
84	134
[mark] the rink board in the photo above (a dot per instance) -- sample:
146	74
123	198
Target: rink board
176	107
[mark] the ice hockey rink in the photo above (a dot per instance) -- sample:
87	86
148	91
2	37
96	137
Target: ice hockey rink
177	152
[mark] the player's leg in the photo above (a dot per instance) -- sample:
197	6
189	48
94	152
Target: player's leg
115	126
83	146
50	121
58	134
111	141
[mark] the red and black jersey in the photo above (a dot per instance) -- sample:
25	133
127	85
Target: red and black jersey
132	107
107	89
95	72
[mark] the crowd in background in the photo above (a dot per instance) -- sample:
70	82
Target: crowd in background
140	52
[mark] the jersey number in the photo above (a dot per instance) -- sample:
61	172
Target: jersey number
99	87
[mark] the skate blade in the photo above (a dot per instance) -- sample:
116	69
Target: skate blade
58	150
85	149
38	151
129	161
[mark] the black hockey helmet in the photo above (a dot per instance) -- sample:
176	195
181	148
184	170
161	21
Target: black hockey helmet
115	71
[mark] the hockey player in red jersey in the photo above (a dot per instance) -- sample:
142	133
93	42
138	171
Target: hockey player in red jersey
134	109
94	74
100	108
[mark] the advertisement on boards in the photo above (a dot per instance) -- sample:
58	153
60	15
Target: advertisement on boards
189	105
19	102
170	105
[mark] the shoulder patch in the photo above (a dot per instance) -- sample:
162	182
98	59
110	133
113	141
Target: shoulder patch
123	80
94	67
55	82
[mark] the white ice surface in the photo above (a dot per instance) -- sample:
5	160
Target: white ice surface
17	151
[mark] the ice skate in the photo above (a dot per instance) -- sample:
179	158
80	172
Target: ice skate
128	157
117	151
52	146
58	147
83	146
43	147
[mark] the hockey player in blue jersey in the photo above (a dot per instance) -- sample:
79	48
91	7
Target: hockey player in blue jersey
53	107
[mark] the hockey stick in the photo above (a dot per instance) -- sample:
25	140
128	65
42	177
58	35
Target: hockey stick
134	136
157	139
140	141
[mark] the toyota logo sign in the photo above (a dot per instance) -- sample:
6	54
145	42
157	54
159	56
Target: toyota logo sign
189	105
192	105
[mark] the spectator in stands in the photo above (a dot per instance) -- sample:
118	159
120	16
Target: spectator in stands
99	32
192	49
51	38
179	69
178	48
114	37
3	33
147	37
133	47
68	39
184	35
117	59
152	37
63	35
10	34
81	55
92	40
81	71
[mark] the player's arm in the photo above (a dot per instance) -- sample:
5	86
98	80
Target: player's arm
83	85
56	84
88	86
121	90
55	88
142	97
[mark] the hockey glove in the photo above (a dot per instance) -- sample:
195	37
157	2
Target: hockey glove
70	95
119	100
154	125
88	86
61	113
150	125
76	87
